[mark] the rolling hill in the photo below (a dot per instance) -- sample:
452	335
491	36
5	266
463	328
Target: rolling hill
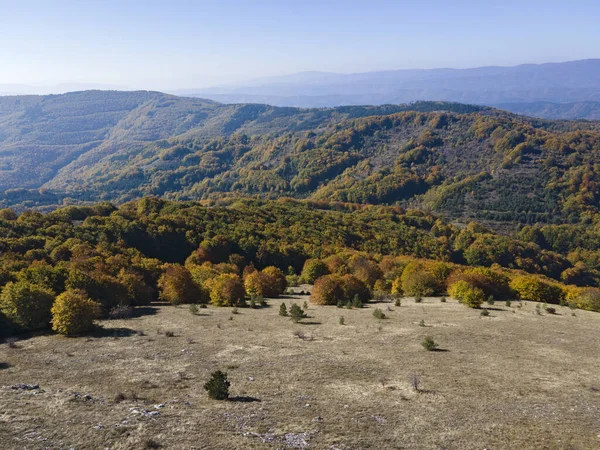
462	161
42	135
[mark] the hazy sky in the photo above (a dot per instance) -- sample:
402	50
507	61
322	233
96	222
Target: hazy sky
171	44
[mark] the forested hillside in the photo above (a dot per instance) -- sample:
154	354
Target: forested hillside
186	252
42	137
462	161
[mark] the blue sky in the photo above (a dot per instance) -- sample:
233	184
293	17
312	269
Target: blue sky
174	44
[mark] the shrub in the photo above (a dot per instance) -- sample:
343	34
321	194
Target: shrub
485	312
74	313
398	302
378	314
491	301
422	323
44	275
297	313
440	271
248	270
328	290
382	287
533	289
392	267
341	320
355	289
416	280
366	271
313	269
218	386
443	299
26	305
429	344
138	291
458	289
418	299
473	297
336	265
356	302
227	290
292	280
283	310
194	309
380	296
508	303
201	274
278	283
177	286
492	283
550	310
466	293
270	282
589	299
100	287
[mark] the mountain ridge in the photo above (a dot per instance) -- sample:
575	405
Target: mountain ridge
563	82
464	161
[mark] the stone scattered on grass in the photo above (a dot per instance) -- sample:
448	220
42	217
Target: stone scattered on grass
379	420
143	412
25	387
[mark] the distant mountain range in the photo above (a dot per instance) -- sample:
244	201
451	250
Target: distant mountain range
568	90
549	110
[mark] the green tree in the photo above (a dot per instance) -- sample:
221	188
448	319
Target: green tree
218	386
297	313
429	344
328	290
227	290
26	305
73	313
177	286
283	310
312	270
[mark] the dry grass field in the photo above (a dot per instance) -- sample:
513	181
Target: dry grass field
514	380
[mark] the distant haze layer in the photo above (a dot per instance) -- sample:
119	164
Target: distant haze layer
566	90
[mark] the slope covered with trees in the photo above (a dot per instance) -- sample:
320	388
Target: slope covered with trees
40	136
464	162
73	265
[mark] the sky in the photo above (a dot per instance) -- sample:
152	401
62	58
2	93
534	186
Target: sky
178	44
